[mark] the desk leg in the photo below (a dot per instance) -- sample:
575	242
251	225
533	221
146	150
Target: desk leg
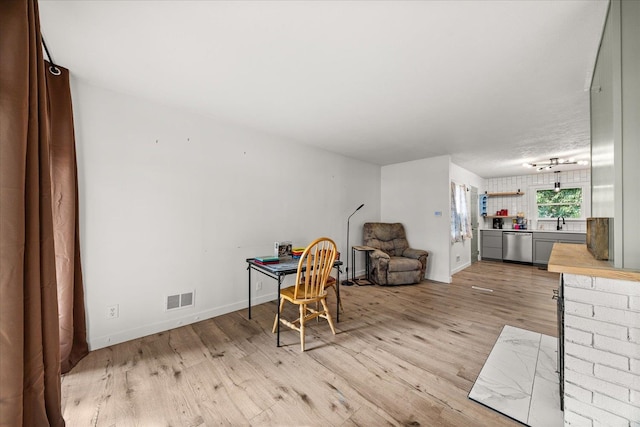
278	312
338	295
249	268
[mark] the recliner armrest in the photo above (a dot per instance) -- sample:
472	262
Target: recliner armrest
378	254
414	253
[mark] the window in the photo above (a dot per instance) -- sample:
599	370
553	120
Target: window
566	203
460	216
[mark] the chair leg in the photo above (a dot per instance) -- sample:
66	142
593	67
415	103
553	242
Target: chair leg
275	320
329	319
303	311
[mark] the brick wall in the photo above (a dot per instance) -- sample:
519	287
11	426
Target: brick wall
602	352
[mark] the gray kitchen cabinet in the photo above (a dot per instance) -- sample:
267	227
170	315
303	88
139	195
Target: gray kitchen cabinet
542	249
491	241
543	244
565	237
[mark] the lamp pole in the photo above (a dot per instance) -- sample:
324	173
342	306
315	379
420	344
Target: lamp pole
349	282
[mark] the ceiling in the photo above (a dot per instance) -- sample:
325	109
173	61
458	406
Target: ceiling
491	83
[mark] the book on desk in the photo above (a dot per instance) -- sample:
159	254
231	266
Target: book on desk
267	259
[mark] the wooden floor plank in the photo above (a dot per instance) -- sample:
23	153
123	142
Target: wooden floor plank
404	355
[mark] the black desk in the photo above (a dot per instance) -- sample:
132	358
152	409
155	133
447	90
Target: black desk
278	272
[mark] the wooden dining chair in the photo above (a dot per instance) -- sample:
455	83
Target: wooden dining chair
314	269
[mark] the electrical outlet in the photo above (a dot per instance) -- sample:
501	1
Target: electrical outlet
259	285
113	311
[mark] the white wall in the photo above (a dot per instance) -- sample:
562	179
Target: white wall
630	176
615	144
463	249
416	194
173	202
603	129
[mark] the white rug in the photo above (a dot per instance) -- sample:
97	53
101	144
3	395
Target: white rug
519	378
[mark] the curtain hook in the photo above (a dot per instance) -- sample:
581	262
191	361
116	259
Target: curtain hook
53	68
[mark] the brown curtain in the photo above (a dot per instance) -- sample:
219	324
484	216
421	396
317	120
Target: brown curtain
64	178
30	324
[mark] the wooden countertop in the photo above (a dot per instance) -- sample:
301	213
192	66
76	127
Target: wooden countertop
576	259
531	230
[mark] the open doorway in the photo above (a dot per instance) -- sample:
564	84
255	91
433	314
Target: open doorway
473	207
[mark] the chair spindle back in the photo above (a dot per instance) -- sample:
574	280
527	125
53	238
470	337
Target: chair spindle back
314	268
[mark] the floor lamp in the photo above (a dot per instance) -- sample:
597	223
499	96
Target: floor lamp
349	282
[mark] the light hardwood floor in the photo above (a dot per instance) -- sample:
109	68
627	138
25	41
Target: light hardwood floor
403	355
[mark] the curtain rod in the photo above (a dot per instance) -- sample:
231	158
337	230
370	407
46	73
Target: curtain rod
53	69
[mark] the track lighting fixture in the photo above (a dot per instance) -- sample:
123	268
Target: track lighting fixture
554	162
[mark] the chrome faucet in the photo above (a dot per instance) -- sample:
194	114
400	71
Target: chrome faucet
559	227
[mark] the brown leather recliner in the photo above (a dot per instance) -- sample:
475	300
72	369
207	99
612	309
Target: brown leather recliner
393	262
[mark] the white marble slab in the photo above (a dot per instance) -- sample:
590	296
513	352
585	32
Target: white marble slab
545	410
519	378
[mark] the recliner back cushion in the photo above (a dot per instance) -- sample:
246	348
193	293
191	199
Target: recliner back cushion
388	237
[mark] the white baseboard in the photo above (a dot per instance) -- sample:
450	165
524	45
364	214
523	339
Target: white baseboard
460	268
187	319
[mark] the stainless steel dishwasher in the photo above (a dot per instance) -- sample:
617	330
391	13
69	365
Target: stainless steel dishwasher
517	246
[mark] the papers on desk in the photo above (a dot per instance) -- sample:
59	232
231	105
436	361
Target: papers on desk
283	266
